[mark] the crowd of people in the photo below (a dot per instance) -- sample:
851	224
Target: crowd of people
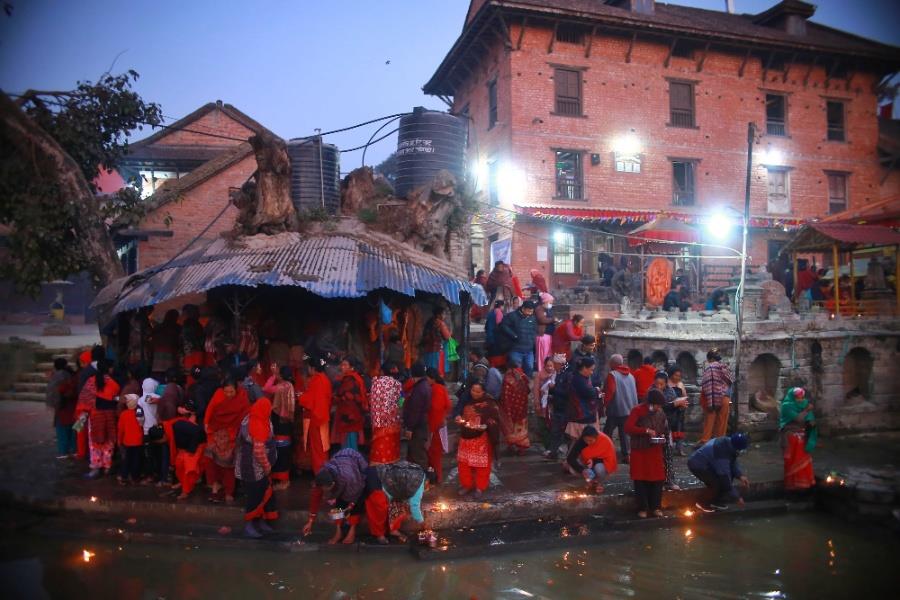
373	444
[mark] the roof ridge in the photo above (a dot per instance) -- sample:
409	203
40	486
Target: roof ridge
229	109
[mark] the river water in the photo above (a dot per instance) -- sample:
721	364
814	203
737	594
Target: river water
790	556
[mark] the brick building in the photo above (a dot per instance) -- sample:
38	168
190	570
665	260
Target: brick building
185	172
590	117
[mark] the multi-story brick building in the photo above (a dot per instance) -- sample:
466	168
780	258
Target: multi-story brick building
185	172
590	117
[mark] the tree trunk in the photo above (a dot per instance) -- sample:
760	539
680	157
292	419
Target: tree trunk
30	140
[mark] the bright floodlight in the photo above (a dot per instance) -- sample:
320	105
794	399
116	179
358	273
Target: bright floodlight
481	172
510	184
627	144
719	225
559	236
772	157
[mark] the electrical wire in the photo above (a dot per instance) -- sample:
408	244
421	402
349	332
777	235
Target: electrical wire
363	124
387	135
383	125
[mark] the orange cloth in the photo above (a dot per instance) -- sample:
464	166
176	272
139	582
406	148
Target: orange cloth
602	450
440	406
110	389
260	425
130	431
317	398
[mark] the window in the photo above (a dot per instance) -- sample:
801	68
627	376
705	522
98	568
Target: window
569	183
493	193
683	182
834	110
683	50
565	257
776	114
492	103
151	180
681	104
779	199
568	92
571	34
837	192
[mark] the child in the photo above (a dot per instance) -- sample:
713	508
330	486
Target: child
187	442
594	457
131	439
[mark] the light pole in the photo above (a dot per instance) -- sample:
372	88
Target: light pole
739	294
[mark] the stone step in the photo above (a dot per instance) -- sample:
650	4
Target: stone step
43	367
29	387
52	353
22	396
33	377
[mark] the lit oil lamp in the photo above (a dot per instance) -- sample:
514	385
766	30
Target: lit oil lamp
829	479
688	533
688	512
93	498
87	555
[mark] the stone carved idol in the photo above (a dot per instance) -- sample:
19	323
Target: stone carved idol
659	281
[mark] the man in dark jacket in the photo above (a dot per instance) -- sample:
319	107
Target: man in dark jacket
715	464
415	417
520	327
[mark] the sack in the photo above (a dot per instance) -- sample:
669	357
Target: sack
155	434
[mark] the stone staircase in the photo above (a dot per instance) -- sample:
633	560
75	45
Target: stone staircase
31	383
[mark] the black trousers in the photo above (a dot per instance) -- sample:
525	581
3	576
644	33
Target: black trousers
613	423
131	466
718	489
558	422
648	495
416	450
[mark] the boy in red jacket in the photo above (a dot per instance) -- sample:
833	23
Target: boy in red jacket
131	440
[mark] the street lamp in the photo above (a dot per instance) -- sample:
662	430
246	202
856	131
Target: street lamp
719	225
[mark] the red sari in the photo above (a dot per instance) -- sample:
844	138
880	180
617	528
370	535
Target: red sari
647	462
351	404
437	417
316	403
385	408
514	409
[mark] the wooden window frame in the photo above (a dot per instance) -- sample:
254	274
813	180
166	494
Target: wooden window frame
828	127
677	115
578	72
575	254
787	187
694	162
493	102
579	177
846	177
774	125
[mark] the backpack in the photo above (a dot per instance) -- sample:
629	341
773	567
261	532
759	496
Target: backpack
562	388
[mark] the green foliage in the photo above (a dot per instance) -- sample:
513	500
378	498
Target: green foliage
314	215
47	225
367	215
388	168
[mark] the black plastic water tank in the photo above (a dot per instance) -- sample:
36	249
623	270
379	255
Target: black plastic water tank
429	141
315	175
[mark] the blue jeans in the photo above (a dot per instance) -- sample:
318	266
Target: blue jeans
65	440
526	359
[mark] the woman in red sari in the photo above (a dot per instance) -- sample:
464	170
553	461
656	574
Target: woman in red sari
228	406
316	403
351	402
514	409
97	403
437	422
648	428
254	456
384	403
280	387
479	433
798	439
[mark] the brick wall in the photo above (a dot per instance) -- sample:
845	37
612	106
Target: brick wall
215	121
622	98
192	212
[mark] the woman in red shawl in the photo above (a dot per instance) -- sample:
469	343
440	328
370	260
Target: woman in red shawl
316	403
500	284
514	408
351	403
384	403
648	427
538	282
280	388
97	403
437	423
228	406
253	459
479	432
565	333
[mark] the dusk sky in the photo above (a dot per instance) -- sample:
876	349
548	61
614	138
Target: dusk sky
293	66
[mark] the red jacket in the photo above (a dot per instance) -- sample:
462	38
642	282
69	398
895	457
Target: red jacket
317	398
131	433
440	406
643	379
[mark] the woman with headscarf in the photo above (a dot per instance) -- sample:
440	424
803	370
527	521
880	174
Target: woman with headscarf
254	456
280	388
798	438
384	406
166	343
479	434
226	410
570	330
647	427
316	403
538	282
500	284
437	422
546	325
514	408
97	406
351	402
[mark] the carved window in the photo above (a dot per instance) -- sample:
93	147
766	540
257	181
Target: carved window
681	104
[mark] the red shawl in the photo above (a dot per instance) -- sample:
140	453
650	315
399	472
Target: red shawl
260	425
223	413
514	394
351	401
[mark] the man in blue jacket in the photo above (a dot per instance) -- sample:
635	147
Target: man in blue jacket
715	464
520	329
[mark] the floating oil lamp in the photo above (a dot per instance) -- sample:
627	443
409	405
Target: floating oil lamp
688	512
688	533
441	507
829	479
93	498
87	555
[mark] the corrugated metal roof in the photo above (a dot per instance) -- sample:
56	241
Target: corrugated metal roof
341	265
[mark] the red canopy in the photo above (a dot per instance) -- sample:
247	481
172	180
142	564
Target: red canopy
663	229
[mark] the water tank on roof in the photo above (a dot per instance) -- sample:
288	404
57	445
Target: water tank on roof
315	175
429	141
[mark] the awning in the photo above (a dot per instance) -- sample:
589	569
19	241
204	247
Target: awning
340	264
663	229
883	212
619	216
821	237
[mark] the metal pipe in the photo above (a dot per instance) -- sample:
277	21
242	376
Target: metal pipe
739	295
835	257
